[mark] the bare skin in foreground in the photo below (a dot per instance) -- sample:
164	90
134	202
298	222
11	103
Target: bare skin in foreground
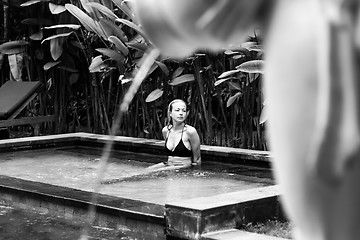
312	91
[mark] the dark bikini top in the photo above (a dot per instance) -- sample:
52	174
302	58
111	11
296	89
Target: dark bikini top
180	150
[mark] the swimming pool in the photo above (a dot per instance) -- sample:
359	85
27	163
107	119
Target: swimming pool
76	167
56	173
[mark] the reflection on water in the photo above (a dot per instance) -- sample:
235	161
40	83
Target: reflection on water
76	168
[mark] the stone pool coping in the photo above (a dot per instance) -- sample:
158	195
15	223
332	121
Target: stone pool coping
229	155
205	217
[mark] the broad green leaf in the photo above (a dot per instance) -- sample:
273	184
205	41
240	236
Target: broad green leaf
37	36
105	28
230	52
56	48
125	9
218	82
111	54
83	18
49	65
38	21
254	66
88	9
163	67
228	73
115	29
56	9
102	9
253	76
241	56
248	45
256	48
119	45
177	72
100	31
154	95
241	50
39	53
138	46
234	86
69	69
74	77
133	26
78	45
31	2
124	80
182	79
72	26
97	64
151	70
57	36
16	65
108	3
13	47
232	99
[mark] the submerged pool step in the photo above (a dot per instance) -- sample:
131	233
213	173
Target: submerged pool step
235	234
190	219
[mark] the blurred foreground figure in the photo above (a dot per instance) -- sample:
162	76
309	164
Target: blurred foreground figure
312	91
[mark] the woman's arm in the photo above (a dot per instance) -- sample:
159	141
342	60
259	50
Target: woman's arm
195	145
164	132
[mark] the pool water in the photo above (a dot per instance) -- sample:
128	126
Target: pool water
16	223
77	168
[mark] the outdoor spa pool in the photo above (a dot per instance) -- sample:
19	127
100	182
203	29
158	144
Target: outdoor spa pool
57	174
125	175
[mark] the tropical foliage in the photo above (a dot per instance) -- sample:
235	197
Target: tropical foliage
86	52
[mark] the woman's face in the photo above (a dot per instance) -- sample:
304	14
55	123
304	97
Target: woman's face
178	111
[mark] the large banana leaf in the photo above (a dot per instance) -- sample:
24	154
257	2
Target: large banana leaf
154	95
182	79
56	9
97	64
254	66
107	12
56	48
37	36
163	67
119	45
72	26
31	2
232	99
133	26
114	29
83	18
38	21
228	73
177	72
13	47
57	36
218	82
49	65
111	54
123	7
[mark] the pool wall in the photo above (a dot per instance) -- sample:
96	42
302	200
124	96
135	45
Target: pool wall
189	219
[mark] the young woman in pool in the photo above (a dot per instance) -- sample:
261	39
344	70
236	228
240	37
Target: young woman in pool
182	142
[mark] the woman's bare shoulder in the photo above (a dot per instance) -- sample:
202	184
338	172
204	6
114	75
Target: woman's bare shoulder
190	130
165	129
